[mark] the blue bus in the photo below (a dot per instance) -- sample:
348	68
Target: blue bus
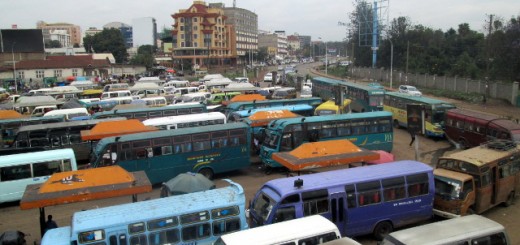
19	170
8	127
166	153
144	113
300	109
373	199
194	218
370	130
364	98
246	105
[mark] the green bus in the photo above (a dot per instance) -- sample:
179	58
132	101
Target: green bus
246	105
164	154
9	127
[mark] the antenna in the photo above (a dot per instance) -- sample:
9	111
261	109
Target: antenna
234	3
374	18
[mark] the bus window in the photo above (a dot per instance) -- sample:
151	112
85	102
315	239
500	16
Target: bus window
284	214
369	193
417	185
393	189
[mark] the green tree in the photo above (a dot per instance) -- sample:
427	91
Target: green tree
107	41
144	56
53	44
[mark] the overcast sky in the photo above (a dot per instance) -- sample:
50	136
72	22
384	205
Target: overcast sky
317	18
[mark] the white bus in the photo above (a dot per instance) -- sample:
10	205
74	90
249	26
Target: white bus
187	121
308	230
471	229
19	170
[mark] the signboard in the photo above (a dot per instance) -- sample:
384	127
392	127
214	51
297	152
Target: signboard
414	117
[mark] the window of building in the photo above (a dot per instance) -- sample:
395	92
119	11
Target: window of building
195	36
195	19
20	75
182	28
75	72
195	44
195	28
182	20
57	73
182	44
40	73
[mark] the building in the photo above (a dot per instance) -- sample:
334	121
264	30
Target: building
92	31
126	31
293	44
201	36
245	23
21	44
73	31
274	42
61	36
144	32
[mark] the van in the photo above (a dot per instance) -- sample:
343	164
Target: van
313	229
195	97
284	93
69	113
155	101
471	229
115	94
177	84
40	110
116	87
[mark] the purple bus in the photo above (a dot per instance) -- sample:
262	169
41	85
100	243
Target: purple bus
373	199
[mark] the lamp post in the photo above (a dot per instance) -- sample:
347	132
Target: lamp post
326	58
14	69
391	61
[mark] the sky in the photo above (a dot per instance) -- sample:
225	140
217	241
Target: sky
316	18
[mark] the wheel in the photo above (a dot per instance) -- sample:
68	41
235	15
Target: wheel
268	169
207	172
463	144
382	229
510	200
396	124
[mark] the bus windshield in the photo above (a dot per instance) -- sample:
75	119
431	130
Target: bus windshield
447	188
515	134
271	139
263	206
376	100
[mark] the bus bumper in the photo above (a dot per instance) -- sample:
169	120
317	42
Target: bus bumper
445	214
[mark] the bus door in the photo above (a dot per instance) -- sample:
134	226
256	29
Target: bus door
337	210
494	187
117	238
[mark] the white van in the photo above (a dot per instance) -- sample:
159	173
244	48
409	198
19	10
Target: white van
195	97
40	110
69	113
177	84
116	87
115	94
471	229
155	101
307	230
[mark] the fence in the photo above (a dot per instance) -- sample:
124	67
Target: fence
496	90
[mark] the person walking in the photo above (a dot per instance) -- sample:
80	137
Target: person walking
50	224
412	135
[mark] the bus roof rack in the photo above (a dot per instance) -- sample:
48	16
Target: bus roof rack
502	145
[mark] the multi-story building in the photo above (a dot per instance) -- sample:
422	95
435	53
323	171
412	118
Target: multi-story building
92	31
144	32
61	36
246	31
293	44
73	30
126	31
202	36
274	41
305	41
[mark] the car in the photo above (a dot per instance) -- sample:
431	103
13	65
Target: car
407	89
268	77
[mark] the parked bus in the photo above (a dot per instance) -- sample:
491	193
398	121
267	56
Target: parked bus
364	98
471	128
194	218
147	113
477	179
314	229
303	110
330	108
166	153
372	199
370	130
472	229
8	127
19	170
246	105
434	112
186	121
58	135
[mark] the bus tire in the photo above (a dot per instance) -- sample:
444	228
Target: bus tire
463	144
510	199
268	170
382	229
207	172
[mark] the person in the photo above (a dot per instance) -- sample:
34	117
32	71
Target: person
412	134
50	224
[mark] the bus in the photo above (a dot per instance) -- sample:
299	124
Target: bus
246	105
19	170
471	229
370	130
329	108
194	218
58	135
434	111
186	121
166	153
471	128
147	113
364	98
477	179
314	229
372	199
8	127
302	109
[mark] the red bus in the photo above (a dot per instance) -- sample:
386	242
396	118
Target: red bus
471	128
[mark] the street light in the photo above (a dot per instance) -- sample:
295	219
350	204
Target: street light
391	61
326	58
14	69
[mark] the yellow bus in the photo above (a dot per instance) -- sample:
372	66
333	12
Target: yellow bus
330	108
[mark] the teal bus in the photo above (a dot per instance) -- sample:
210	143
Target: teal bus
144	113
303	110
246	105
8	127
193	218
364	98
166	153
370	130
434	111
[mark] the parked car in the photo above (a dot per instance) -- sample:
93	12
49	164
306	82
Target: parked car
407	89
268	77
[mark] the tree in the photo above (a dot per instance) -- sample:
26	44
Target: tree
107	41
53	44
144	56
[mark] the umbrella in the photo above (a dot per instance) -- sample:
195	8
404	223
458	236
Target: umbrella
384	157
71	78
186	183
